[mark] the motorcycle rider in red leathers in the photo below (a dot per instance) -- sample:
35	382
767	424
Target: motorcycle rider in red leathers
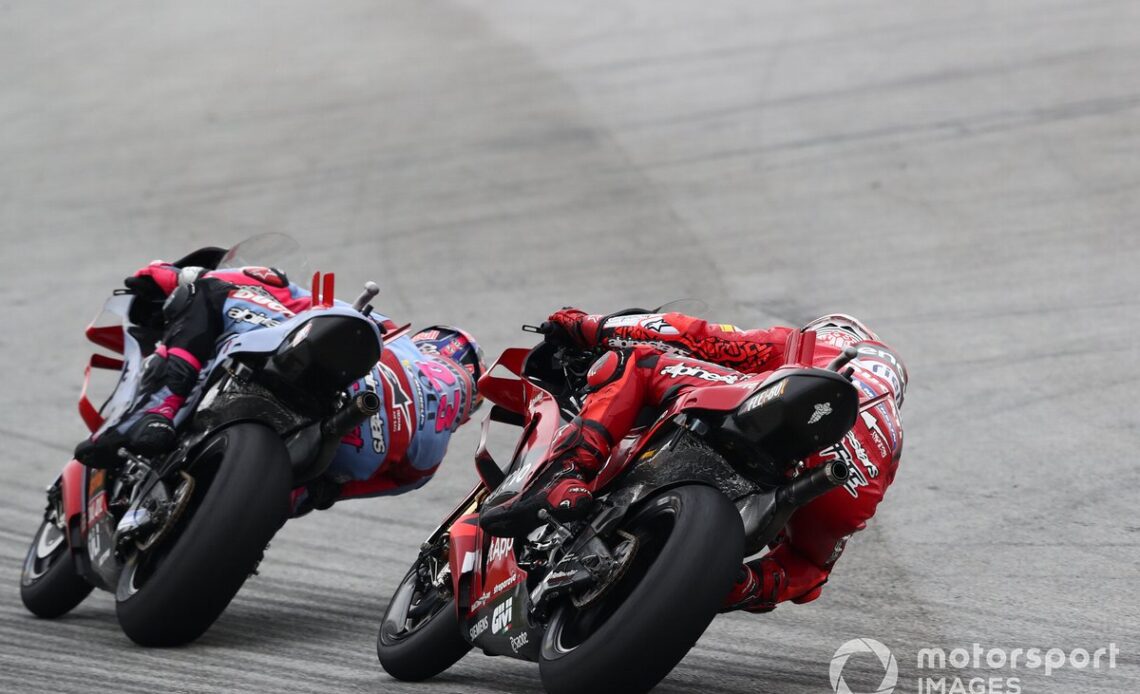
654	357
426	382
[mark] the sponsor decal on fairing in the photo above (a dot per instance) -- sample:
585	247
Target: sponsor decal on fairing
501	617
479	628
821	410
765	396
500	547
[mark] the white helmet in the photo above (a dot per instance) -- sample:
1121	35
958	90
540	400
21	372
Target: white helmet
843	323
842	330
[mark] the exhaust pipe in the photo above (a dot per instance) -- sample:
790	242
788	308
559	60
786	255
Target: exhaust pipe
312	449
362	406
813	483
765	515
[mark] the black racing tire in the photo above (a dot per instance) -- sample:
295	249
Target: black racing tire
172	595
50	584
431	646
636	633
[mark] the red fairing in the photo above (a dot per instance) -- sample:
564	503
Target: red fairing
72	484
509	393
110	336
87	410
463	536
496	571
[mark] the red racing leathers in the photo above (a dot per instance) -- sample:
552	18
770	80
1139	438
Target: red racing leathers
655	357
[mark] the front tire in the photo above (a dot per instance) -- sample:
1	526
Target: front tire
174	593
50	585
691	542
412	649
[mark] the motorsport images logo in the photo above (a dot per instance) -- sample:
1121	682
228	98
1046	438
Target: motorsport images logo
973	670
855	646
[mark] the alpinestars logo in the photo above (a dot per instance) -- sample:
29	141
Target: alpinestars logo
659	325
854	646
245	315
680	370
821	410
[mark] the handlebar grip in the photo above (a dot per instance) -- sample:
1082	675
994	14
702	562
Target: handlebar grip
545	328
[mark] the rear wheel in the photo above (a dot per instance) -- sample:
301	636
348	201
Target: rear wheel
420	635
690	545
50	586
172	594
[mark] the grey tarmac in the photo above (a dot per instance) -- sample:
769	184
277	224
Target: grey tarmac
962	175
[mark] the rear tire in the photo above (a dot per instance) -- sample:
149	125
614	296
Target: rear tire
429	647
175	594
636	634
50	585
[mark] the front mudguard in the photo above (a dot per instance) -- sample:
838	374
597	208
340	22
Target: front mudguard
462	549
72	481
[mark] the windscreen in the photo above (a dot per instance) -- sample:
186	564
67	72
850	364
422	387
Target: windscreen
278	251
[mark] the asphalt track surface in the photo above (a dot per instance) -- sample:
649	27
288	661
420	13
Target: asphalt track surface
962	175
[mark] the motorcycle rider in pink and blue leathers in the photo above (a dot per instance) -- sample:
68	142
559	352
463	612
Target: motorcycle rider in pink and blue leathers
426	381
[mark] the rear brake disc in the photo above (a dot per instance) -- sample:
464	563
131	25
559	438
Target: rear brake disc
623	554
174	511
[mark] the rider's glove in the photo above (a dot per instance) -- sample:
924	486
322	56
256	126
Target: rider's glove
573	326
146	308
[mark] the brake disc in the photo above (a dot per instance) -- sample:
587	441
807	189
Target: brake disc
174	511
623	558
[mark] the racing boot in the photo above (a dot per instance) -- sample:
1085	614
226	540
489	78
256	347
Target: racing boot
757	588
560	490
148	427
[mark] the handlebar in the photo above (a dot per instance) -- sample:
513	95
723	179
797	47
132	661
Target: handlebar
843	359
544	328
371	289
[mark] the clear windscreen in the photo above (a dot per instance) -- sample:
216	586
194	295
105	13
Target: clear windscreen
688	306
279	251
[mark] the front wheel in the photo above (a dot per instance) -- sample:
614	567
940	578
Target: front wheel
420	636
50	586
172	594
690	545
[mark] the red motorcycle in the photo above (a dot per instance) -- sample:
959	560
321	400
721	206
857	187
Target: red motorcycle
613	603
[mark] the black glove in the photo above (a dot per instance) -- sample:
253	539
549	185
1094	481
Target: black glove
146	309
